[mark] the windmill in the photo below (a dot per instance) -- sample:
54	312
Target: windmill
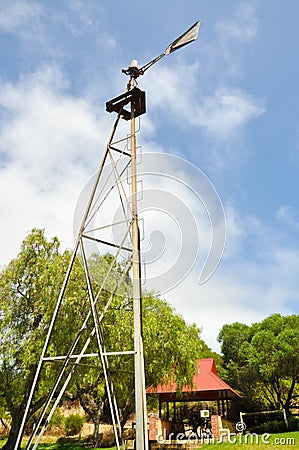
117	167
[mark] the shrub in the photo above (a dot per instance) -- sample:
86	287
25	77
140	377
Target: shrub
293	424
275	426
73	424
57	420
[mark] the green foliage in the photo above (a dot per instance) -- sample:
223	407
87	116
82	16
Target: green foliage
171	345
232	337
262	360
57	420
171	348
293	423
23	313
274	426
73	424
29	289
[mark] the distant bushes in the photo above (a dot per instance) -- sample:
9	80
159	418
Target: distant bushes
293	424
73	424
277	426
70	425
57	421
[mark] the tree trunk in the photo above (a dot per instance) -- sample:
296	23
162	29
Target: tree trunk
14	431
96	433
126	410
288	401
17	413
94	411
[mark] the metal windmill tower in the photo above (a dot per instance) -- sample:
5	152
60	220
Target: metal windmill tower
118	164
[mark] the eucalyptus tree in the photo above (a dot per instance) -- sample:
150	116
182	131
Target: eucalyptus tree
263	360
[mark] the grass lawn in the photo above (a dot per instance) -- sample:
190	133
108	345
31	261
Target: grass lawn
60	446
283	441
57	446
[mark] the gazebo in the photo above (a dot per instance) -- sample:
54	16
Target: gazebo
206	386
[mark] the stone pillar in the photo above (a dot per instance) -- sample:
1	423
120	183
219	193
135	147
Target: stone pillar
154	428
158	428
216	425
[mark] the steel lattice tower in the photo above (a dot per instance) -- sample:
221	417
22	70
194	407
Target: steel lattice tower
118	164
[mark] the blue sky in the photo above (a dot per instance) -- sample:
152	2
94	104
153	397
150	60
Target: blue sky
227	103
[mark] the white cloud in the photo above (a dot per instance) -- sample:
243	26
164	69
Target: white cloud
288	215
221	114
51	142
214	103
23	207
240	27
208	94
258	276
224	56
18	15
167	88
45	123
226	111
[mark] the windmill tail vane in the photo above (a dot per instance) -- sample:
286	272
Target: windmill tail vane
186	38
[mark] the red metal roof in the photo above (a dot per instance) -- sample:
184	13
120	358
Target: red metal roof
206	383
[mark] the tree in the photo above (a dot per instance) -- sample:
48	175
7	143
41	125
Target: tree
29	287
264	359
